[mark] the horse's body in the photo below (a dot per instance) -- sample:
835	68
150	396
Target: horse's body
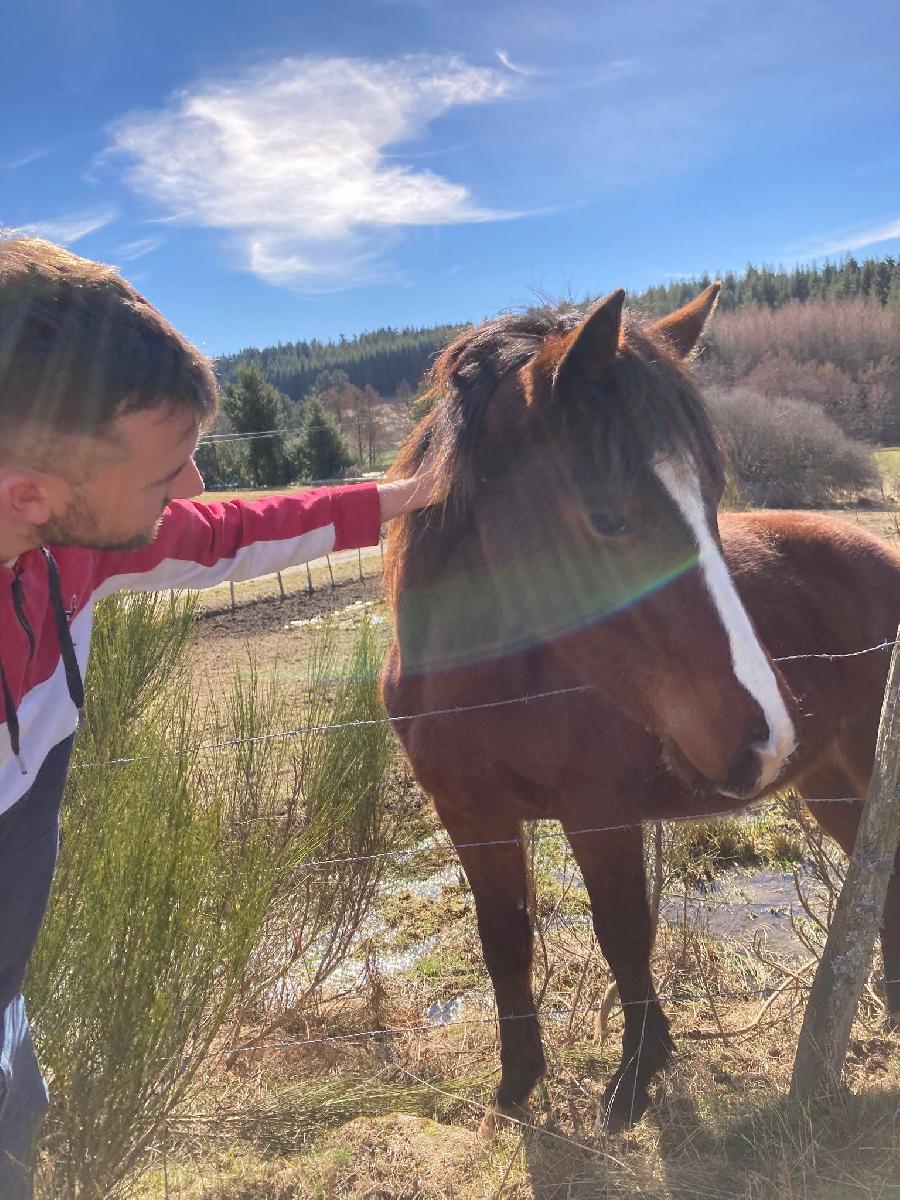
680	705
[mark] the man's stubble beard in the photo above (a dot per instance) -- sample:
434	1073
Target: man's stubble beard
78	526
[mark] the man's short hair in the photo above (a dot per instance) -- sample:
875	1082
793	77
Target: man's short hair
79	346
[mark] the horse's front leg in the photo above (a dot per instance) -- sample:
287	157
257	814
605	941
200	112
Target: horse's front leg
493	857
612	865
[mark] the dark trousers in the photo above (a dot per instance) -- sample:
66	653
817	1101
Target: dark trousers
29	839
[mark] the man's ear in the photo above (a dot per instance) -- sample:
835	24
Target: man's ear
25	498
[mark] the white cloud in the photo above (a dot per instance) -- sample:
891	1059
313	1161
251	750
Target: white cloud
71	227
511	66
24	160
853	239
129	251
290	161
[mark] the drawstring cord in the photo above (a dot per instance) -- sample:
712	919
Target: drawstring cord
74	682
18	595
12	720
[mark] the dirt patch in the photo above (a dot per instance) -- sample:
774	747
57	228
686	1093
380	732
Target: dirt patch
271	615
257	633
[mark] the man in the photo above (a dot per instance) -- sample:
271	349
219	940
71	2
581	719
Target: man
101	405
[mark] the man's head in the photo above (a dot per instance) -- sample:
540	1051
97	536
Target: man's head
101	402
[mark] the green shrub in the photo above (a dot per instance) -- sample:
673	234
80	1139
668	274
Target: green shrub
183	892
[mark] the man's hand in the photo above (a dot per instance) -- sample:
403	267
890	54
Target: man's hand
427	486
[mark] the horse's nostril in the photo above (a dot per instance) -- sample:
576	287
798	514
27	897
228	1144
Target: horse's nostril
759	735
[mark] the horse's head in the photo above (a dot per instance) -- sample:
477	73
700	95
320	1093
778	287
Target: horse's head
585	458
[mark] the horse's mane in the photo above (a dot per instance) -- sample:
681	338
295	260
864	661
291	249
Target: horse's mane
658	411
461	382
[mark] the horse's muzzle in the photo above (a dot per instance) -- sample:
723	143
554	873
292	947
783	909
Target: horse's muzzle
752	771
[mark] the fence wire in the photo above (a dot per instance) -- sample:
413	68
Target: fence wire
764	992
789	988
452	711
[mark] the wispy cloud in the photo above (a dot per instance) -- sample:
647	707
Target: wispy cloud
514	67
71	227
129	251
850	239
290	161
24	160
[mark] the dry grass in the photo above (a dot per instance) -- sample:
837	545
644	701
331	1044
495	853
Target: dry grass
322	1110
396	1117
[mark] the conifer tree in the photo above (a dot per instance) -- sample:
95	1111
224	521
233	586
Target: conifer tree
893	296
254	407
323	449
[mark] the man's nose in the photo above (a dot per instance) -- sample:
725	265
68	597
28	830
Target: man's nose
188	484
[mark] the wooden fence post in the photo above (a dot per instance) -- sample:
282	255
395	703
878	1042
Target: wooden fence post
845	962
281	591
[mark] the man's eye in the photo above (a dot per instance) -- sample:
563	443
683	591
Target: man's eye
608	524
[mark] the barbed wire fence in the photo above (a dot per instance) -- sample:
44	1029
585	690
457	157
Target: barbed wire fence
324	563
791	988
300	579
460	709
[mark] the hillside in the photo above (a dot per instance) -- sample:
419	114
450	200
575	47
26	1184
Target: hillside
383	358
829	334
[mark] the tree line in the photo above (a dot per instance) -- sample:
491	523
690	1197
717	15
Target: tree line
386	359
381	359
876	279
825	334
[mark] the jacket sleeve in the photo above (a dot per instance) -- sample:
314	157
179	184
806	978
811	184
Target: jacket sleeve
200	545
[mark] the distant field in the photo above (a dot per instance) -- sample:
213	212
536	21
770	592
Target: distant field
887	458
261	493
242	494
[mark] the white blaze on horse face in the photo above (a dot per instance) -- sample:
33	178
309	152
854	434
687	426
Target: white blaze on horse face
751	667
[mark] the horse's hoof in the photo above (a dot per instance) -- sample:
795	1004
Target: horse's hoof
622	1107
501	1114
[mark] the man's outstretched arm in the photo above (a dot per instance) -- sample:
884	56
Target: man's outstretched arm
200	545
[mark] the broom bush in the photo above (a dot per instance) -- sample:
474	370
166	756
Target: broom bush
184	891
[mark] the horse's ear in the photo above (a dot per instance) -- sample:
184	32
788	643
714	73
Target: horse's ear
682	328
592	347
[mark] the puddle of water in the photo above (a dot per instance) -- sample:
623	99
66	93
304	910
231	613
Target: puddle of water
351	974
445	1012
737	906
745	908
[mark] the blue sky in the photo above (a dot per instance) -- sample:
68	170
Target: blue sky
276	170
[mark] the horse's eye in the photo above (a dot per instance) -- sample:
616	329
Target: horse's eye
608	524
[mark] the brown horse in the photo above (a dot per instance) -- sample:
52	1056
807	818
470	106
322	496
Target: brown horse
579	548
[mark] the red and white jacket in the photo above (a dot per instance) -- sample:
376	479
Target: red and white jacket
197	546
